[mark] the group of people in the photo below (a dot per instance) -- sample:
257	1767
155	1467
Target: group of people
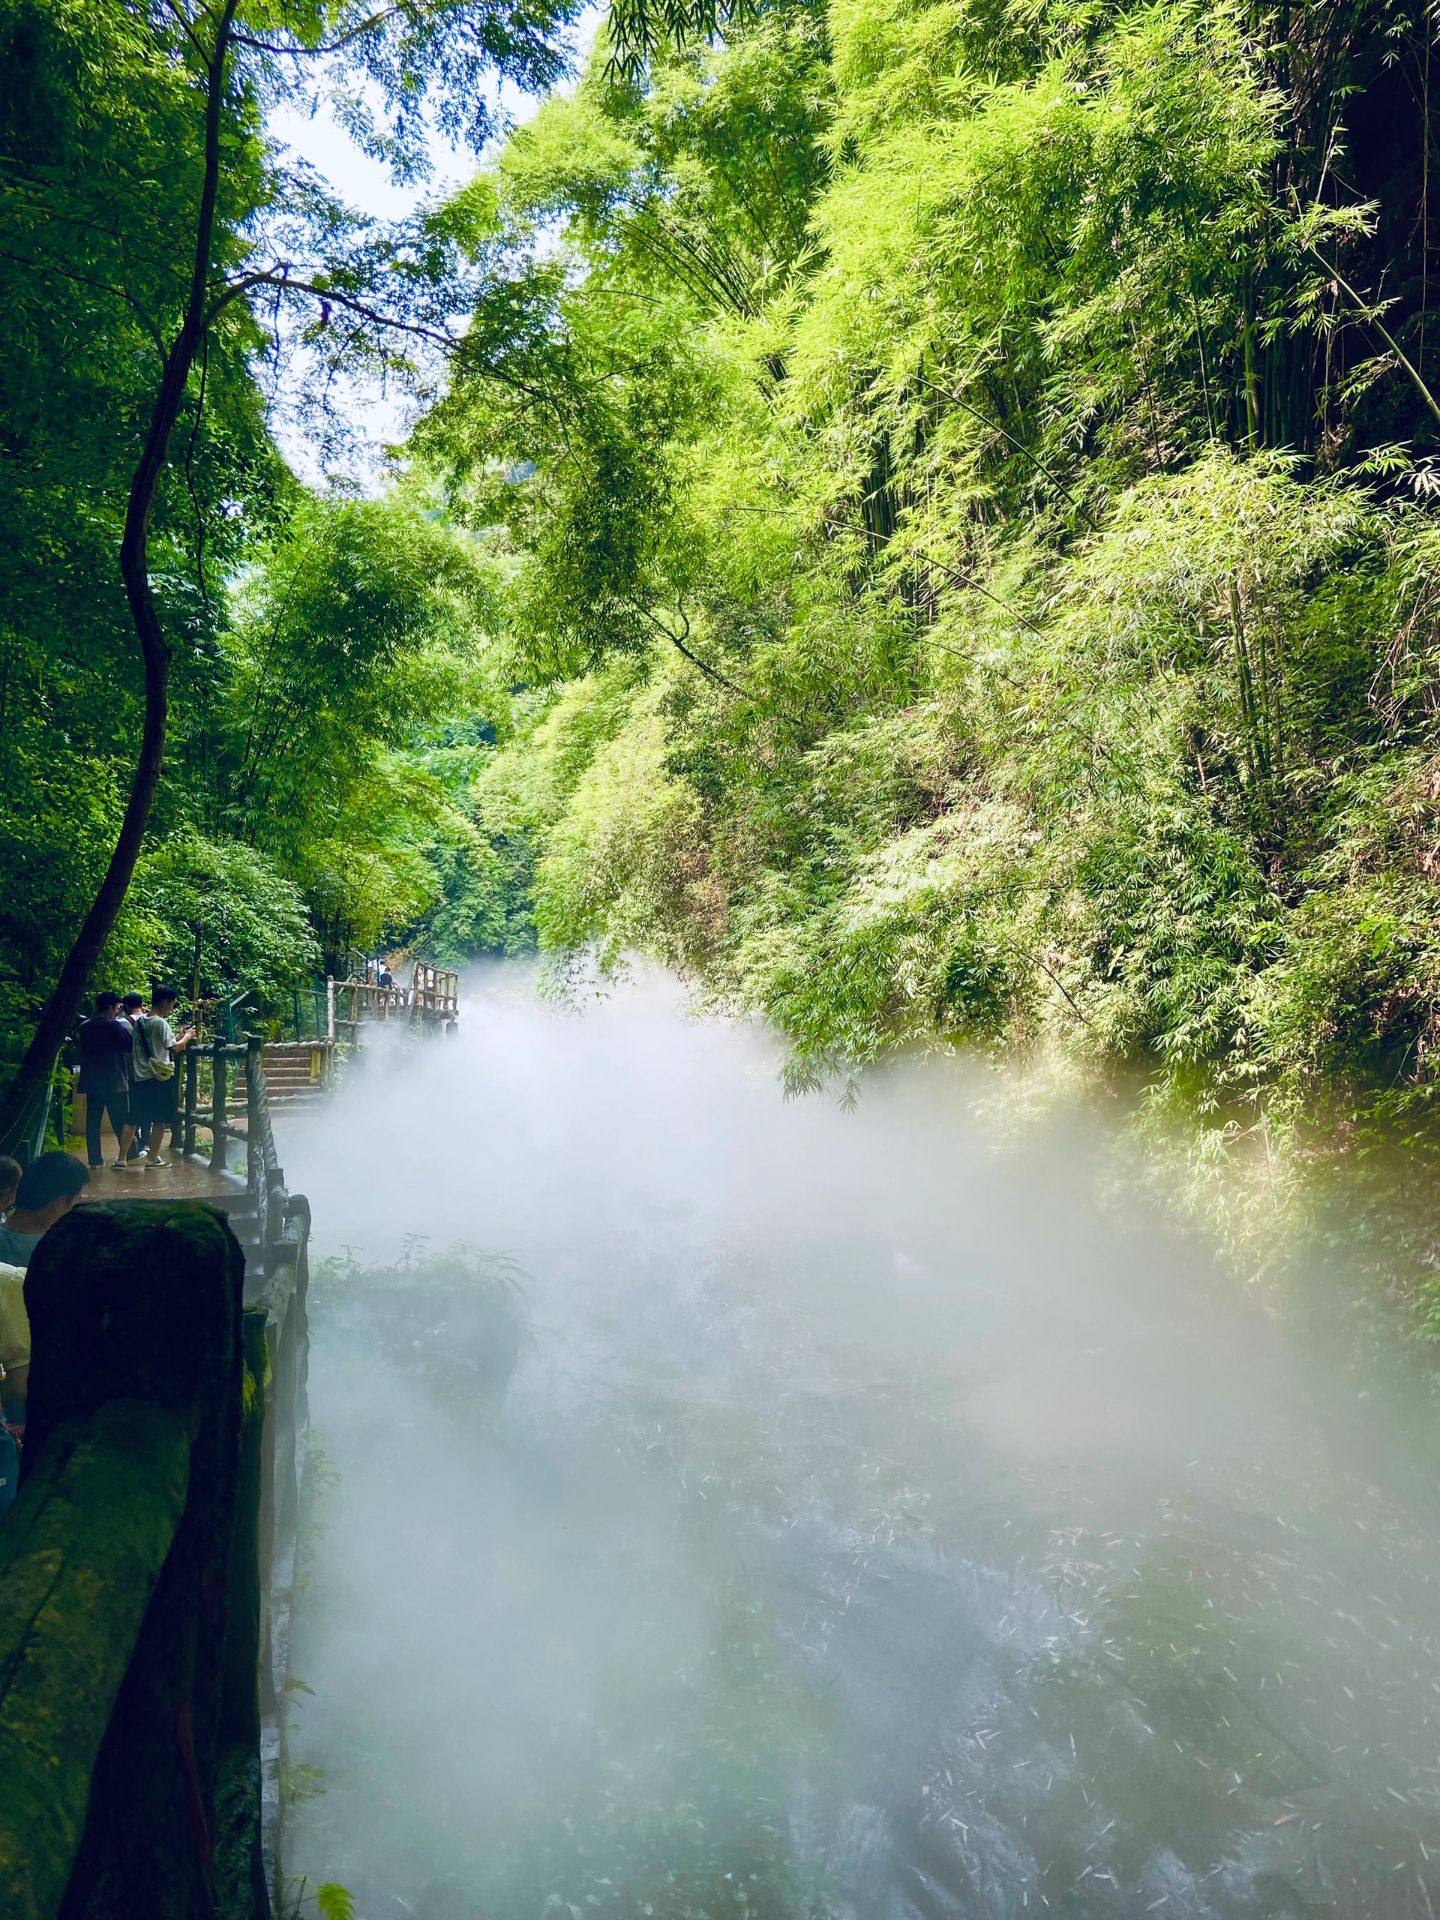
127	1075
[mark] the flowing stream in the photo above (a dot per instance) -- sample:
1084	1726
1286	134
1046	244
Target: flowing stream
881	1520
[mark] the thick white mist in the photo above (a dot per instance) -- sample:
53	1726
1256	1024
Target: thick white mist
875	1524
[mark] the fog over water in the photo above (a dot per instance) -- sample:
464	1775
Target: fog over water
877	1524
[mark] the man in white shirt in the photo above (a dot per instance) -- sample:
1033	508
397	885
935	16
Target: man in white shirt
153	1077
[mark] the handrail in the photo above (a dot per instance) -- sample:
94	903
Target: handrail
433	995
277	1231
219	1120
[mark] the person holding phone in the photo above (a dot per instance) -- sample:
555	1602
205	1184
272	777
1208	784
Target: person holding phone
154	1079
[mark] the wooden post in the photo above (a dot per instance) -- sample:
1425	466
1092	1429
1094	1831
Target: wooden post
219	1109
191	1071
254	1115
330	1006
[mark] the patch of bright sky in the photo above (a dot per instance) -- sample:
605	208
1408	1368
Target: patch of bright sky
380	418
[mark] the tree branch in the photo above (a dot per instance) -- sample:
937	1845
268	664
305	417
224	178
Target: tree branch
284	281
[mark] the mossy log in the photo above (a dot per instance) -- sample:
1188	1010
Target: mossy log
116	1671
80	1558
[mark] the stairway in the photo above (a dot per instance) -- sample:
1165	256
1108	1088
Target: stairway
292	1075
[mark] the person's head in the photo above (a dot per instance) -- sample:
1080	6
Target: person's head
163	999
48	1188
132	1004
105	1005
9	1180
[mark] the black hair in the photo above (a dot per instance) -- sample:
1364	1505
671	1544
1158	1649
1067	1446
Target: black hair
163	993
133	1000
53	1176
104	1002
9	1173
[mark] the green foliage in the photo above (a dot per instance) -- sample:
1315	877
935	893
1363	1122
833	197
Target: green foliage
989	575
102	145
350	629
96	134
356	626
252	923
930	529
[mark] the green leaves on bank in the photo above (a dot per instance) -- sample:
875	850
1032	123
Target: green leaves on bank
972	528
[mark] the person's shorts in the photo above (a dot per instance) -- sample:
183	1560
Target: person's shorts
152	1102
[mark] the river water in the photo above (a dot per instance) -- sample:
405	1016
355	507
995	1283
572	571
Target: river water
882	1521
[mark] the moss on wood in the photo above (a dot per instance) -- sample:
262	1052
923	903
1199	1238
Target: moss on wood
80	1557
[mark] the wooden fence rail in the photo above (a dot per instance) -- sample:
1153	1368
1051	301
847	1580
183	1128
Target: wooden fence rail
431	998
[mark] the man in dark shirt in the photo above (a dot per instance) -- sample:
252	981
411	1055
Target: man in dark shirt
105	1047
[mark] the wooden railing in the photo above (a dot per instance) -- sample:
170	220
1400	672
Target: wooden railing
436	992
274	1226
207	1107
210	1101
432	998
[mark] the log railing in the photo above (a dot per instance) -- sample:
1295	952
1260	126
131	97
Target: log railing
436	993
275	1230
431	999
211	1103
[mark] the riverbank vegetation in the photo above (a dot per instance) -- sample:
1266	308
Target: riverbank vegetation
969	478
924	521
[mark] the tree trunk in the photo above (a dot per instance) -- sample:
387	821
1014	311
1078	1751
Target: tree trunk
23	1108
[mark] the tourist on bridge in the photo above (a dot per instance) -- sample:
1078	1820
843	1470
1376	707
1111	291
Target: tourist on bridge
105	1049
153	1103
49	1188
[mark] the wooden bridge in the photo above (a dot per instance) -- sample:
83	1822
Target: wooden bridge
149	1562
431	999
